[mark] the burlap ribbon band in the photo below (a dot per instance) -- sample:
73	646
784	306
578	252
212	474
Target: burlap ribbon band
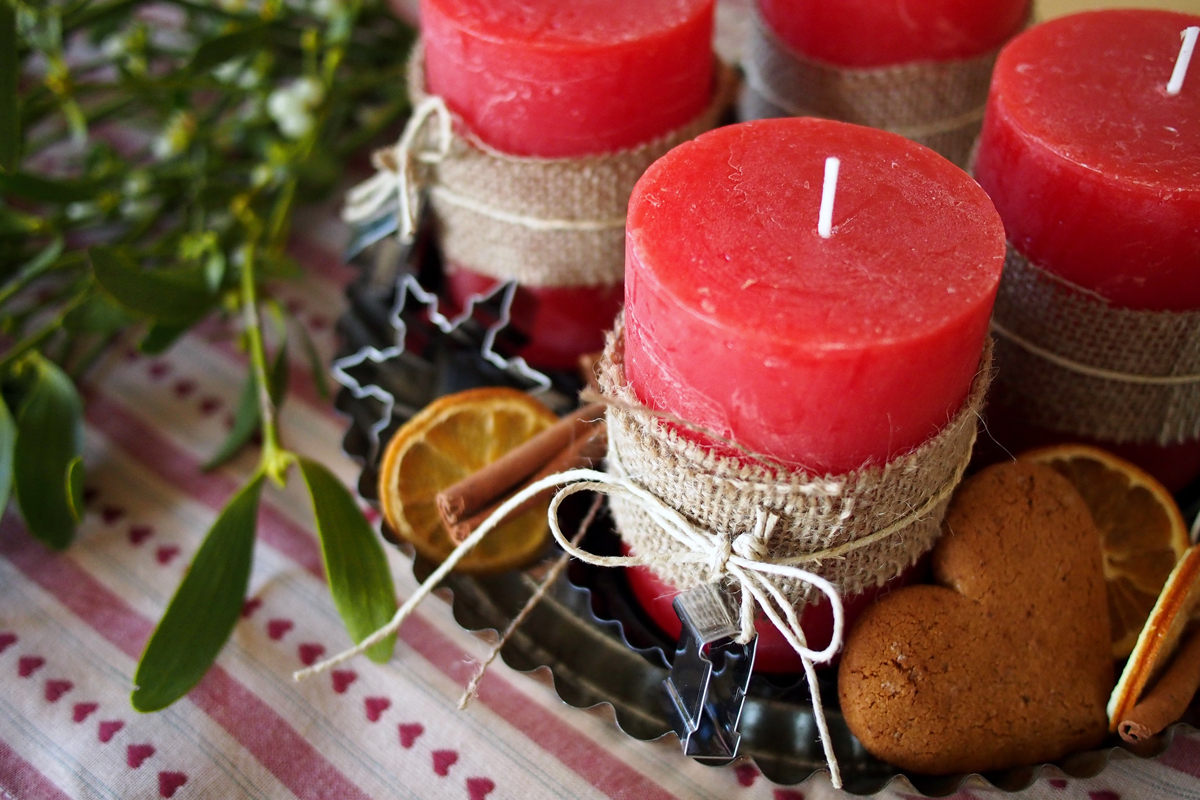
1071	361
857	530
544	222
939	104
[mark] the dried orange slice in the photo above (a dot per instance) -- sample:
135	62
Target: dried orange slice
1159	637
448	440
1142	532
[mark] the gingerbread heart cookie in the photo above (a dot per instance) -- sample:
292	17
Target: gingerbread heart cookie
1007	659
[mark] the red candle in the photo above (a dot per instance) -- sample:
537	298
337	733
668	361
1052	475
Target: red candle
827	353
549	79
1095	170
562	323
876	33
554	79
824	353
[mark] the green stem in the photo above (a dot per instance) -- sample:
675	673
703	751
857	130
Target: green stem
274	459
23	279
45	332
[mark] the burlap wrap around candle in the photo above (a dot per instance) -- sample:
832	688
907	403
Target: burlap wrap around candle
938	104
546	222
1072	362
857	530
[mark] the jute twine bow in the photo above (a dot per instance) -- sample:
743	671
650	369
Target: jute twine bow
733	559
425	142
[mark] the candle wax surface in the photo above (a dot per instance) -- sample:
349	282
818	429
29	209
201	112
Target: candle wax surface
1093	167
823	353
556	79
876	33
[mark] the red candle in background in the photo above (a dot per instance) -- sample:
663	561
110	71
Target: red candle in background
553	79
822	353
557	79
876	33
1095	171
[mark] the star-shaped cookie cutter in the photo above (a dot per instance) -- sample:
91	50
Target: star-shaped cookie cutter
408	286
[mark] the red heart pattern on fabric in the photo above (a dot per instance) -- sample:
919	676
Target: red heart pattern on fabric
7	640
409	731
375	707
342	678
136	754
788	794
110	514
443	760
169	783
166	554
108	729
479	788
158	369
139	534
83	710
309	652
746	773
184	388
27	665
250	606
278	628
55	689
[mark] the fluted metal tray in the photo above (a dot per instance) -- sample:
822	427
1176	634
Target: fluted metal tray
589	633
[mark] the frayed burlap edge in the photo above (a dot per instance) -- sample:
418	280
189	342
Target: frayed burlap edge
721	496
1070	361
939	104
544	222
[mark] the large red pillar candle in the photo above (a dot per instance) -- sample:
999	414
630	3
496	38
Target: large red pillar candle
552	79
876	33
824	353
1095	169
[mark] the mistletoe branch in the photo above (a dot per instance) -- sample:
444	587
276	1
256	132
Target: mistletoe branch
230	113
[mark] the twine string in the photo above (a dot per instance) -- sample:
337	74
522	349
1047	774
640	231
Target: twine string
1080	368
397	176
551	576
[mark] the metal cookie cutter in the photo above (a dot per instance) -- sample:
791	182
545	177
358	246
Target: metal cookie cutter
707	685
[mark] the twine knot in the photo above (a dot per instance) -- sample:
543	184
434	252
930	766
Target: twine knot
750	545
426	141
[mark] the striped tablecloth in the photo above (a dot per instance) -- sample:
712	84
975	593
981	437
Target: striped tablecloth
73	624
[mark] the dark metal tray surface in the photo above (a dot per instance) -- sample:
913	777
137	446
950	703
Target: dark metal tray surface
598	646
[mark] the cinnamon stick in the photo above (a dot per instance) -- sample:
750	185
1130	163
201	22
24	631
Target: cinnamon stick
1169	698
481	488
582	453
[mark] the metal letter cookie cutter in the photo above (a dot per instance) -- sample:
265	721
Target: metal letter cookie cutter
707	685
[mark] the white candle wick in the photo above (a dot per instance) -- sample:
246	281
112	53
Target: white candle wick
825	220
1185	56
